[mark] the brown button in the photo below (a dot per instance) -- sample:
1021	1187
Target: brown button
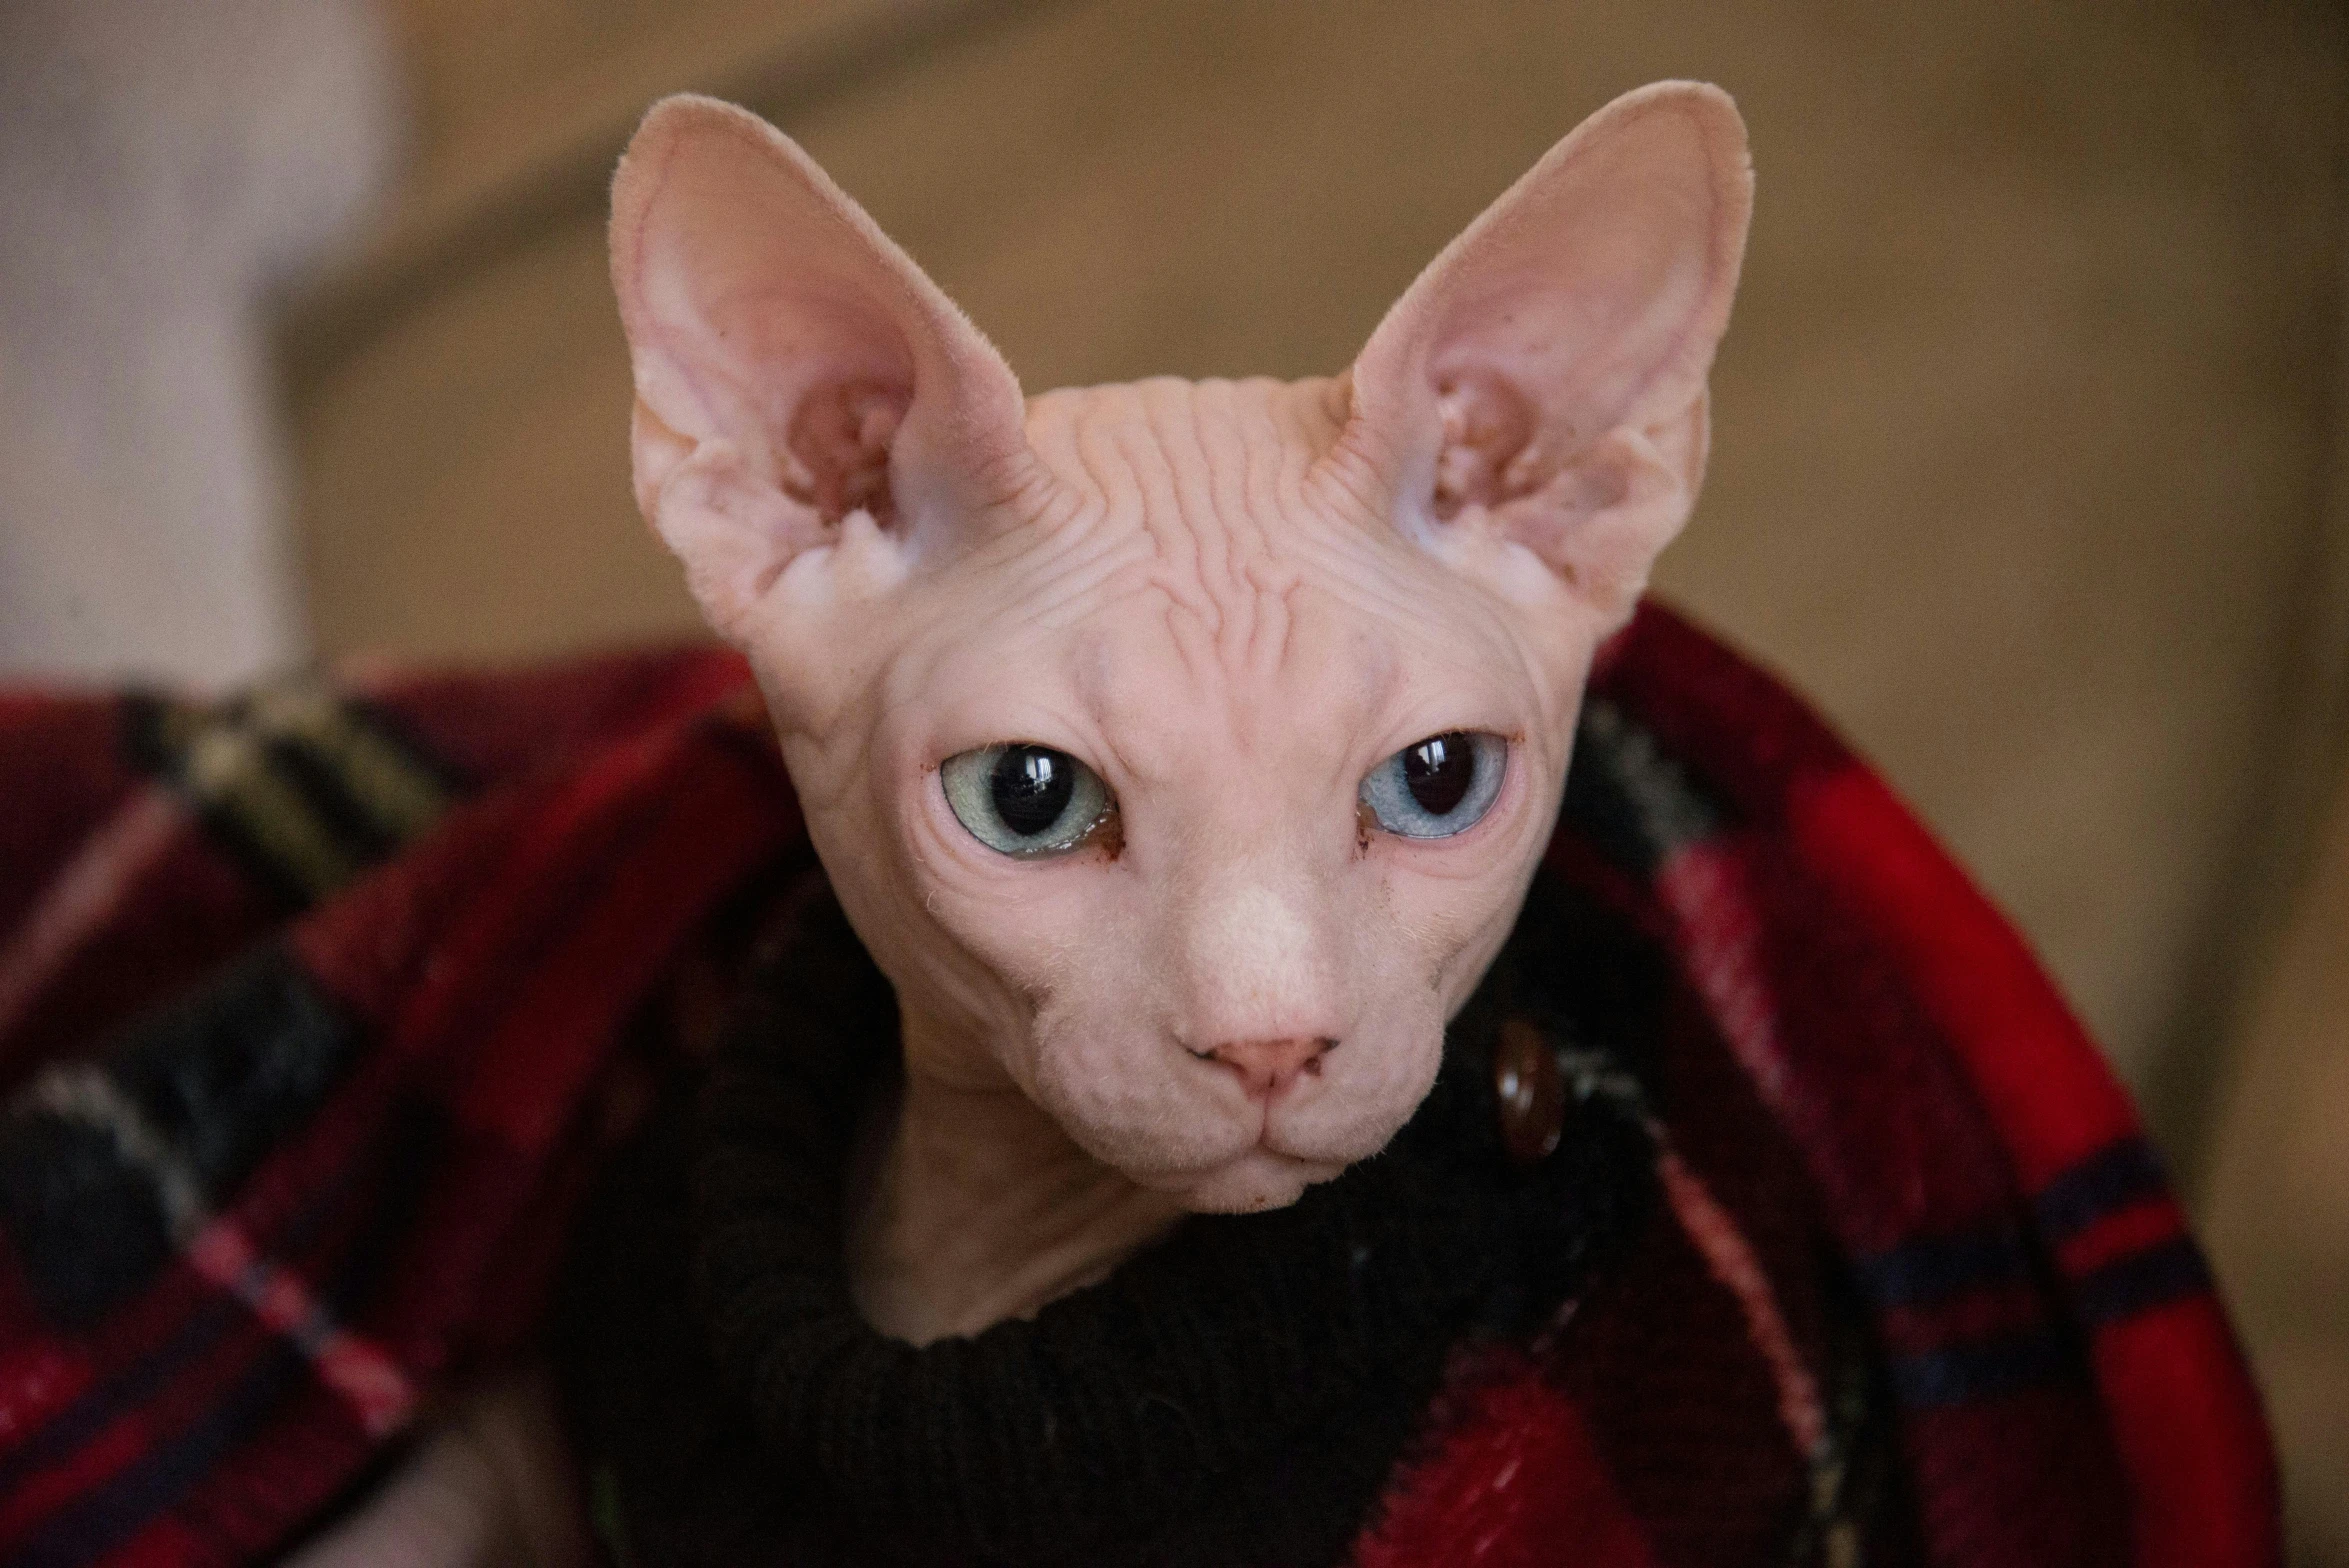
1530	1091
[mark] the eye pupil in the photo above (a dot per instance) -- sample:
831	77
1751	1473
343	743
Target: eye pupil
1439	772
1031	786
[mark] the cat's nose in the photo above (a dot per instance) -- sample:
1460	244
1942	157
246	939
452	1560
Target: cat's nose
1269	1066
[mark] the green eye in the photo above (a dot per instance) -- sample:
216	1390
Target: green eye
1024	799
1441	786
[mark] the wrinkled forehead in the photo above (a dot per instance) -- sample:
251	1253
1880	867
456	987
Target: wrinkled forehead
1208	596
1189	460
1219	615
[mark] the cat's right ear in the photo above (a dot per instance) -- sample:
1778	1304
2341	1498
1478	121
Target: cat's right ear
804	394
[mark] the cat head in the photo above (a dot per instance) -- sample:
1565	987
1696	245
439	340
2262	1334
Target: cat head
1181	750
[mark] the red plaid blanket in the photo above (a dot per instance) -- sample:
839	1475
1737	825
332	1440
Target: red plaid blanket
320	1007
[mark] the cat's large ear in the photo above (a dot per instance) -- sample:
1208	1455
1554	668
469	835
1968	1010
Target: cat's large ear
800	384
1543	381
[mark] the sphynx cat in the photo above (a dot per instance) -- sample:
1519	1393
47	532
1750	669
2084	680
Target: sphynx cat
1182	751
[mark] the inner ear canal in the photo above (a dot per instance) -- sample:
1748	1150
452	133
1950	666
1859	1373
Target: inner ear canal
1492	451
838	444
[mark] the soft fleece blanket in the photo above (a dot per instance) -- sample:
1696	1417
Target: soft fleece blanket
321	1007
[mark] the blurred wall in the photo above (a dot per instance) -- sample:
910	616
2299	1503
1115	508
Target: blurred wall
2275	1206
2021	433
162	167
2277	1213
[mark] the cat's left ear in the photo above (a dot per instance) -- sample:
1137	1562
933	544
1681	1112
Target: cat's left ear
1544	380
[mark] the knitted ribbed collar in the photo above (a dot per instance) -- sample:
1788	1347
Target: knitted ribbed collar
1237	1393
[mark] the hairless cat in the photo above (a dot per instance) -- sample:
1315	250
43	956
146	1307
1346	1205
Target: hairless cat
1180	751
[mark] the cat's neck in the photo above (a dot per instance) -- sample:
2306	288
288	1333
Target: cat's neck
979	1209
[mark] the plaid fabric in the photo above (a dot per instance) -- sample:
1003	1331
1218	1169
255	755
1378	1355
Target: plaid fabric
319	1008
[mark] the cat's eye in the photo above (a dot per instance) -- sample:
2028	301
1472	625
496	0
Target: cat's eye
1025	799
1439	786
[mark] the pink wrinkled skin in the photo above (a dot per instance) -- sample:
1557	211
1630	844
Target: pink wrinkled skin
1232	600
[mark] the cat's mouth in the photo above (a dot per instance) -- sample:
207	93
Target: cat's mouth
1270	1171
1188	1126
1258	1166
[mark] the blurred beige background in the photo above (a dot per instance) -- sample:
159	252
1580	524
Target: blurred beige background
2032	451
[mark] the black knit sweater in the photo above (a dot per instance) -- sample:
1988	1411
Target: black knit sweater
1237	1394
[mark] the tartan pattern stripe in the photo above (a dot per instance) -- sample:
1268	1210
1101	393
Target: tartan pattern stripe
319	1007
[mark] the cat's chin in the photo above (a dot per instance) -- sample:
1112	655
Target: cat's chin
1252	1182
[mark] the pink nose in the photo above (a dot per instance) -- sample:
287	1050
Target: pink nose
1268	1066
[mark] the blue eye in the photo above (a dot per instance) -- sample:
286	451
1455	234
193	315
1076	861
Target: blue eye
1025	800
1441	786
